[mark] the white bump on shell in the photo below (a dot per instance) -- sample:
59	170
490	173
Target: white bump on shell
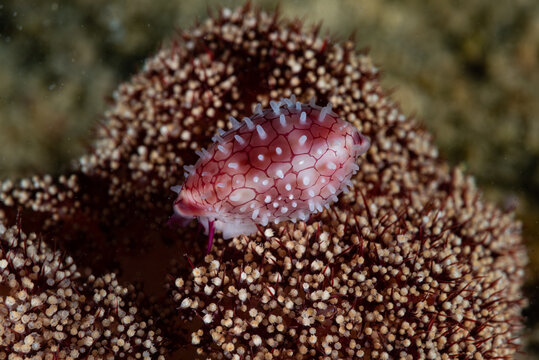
319	207
282	120
288	187
261	132
260	157
221	185
222	149
302	139
265	182
279	173
235	123
255	214
249	123
220	131
267	199
332	166
275	106
233	165
288	102
325	110
235	197
217	138
303	117
202	153
332	189
284	210
255	179
293	98
306	180
239	139
278	150
322	115
258	109
311	206
298	106
311	192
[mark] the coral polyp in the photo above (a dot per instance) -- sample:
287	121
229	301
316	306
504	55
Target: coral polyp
49	310
282	163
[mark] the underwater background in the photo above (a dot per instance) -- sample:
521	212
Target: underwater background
467	70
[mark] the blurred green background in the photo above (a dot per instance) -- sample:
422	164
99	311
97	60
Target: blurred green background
468	70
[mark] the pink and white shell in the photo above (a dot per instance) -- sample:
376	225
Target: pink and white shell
282	163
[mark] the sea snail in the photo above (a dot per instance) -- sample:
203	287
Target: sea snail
282	163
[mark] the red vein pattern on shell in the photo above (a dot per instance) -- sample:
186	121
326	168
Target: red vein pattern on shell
283	163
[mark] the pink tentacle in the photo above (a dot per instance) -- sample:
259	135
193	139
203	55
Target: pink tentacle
210	237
